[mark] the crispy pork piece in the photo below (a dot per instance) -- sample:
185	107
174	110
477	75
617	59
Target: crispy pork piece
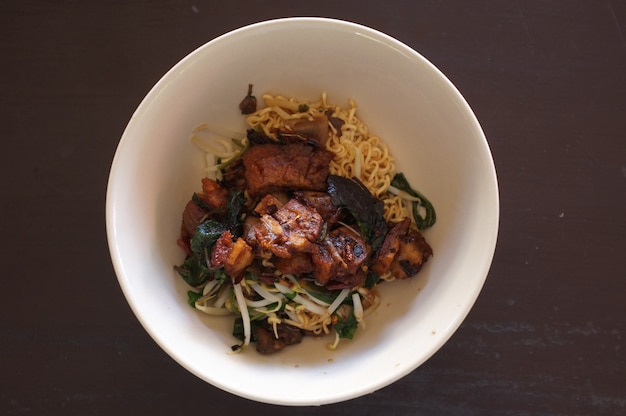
249	224
215	195
233	256
414	252
321	202
293	228
340	259
271	167
269	204
403	252
268	343
270	237
381	263
297	263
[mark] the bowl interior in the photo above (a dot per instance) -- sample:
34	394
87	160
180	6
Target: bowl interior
434	137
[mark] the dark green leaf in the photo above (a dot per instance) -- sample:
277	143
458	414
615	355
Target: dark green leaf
371	279
192	297
319	292
238	329
429	216
346	328
220	275
367	210
251	275
236	201
194	270
205	236
272	306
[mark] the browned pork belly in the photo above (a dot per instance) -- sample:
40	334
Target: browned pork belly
269	204
293	228
340	259
215	195
320	201
268	343
403	252
294	167
235	257
297	263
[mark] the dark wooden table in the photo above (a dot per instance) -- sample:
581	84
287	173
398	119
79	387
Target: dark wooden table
547	80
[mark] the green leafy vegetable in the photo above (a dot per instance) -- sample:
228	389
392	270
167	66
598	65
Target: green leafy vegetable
423	211
319	292
346	328
236	201
192	297
367	210
206	235
238	328
194	270
290	295
371	279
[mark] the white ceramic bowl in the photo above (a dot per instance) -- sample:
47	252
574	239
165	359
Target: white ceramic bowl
433	135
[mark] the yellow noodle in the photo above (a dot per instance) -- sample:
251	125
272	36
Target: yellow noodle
388	277
395	208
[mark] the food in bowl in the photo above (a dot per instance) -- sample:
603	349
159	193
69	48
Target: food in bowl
297	224
436	141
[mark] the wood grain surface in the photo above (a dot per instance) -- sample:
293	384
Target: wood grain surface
546	79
